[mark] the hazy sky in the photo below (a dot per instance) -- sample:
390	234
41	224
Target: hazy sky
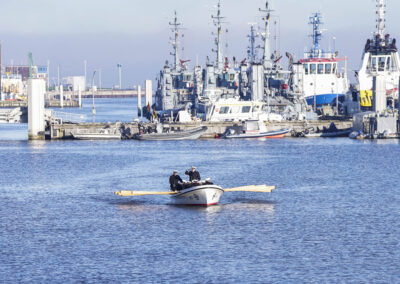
135	33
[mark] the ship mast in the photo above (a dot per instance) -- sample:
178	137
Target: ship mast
315	21
252	48
381	21
218	23
267	61
175	43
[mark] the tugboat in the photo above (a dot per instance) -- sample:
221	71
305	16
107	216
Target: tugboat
318	74
381	58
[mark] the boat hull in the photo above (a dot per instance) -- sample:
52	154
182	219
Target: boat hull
343	133
205	195
270	134
97	136
191	134
323	99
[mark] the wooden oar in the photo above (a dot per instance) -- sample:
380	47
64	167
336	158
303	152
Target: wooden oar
137	193
248	188
251	188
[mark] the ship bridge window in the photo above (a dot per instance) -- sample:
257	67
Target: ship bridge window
224	110
188	78
320	68
388	64
328	68
373	64
313	69
381	63
305	66
246	109
334	68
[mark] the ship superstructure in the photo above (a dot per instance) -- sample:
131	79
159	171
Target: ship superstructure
177	85
380	58
318	76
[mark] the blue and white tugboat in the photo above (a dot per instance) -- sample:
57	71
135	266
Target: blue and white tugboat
318	75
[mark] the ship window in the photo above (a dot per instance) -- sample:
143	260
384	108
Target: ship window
381	63
373	64
328	68
188	77
388	64
305	66
224	110
320	68
312	69
246	109
334	68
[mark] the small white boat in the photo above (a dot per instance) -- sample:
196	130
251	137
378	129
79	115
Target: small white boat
253	129
199	195
103	134
203	193
191	134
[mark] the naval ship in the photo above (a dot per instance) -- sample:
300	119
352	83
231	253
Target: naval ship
177	86
248	88
380	58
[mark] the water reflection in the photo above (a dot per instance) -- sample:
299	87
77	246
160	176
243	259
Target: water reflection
37	145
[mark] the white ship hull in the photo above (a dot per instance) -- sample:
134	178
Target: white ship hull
199	195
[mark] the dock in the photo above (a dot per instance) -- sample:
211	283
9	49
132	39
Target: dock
214	129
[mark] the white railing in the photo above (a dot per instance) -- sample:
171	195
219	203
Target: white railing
68	117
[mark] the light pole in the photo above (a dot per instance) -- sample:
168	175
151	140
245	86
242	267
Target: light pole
93	108
85	67
120	75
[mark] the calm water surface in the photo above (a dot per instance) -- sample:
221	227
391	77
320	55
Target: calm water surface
334	217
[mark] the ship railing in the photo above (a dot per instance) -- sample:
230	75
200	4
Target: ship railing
67	117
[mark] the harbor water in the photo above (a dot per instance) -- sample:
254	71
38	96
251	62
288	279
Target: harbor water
333	217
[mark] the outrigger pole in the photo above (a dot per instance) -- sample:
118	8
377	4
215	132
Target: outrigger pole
249	188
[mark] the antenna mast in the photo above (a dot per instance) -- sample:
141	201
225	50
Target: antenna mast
267	52
218	23
252	48
381	21
175	43
315	21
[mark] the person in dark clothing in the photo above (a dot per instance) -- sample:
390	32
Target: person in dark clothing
193	174
174	182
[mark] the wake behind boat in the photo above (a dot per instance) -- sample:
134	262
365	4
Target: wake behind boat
190	134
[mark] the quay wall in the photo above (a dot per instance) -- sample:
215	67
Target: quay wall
64	131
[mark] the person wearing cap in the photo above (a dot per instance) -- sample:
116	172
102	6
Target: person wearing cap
174	182
193	174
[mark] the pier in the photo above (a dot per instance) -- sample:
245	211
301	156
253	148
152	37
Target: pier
214	129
